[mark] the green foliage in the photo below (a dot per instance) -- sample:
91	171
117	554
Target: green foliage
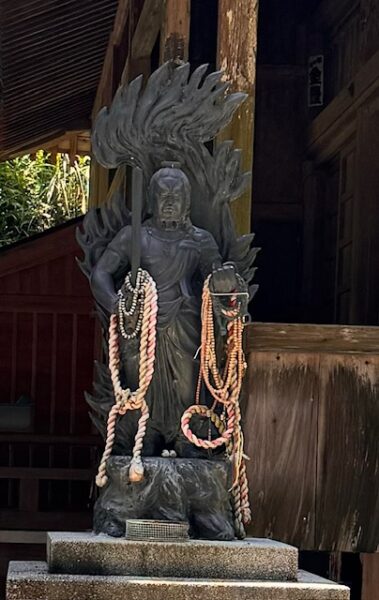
36	194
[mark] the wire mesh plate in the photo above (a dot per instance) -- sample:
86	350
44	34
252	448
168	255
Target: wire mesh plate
158	531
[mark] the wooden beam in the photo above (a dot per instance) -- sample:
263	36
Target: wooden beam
144	24
175	30
118	182
147	29
115	39
236	56
98	184
120	22
300	337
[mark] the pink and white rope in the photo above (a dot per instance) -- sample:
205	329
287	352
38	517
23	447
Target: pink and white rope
125	399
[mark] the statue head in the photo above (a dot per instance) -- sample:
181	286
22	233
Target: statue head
170	197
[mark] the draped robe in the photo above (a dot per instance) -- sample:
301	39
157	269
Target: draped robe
178	267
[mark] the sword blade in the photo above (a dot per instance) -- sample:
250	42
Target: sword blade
137	198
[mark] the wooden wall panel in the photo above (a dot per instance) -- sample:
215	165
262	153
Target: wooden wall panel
60	416
5	356
44	361
280	425
348	453
312	431
23	368
86	342
370	576
47	331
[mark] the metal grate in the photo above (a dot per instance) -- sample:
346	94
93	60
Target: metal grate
158	531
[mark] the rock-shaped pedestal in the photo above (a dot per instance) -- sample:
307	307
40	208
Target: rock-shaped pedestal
173	489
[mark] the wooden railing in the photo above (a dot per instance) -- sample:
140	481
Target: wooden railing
56	496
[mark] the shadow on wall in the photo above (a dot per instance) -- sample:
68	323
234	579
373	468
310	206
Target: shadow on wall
279	272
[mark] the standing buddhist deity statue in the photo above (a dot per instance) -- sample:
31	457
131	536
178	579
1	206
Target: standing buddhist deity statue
171	284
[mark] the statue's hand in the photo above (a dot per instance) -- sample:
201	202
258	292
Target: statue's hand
229	294
224	279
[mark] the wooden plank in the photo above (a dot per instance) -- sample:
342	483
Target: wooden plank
236	56
175	30
29	303
45	521
61	143
348	454
370	576
7	536
35	438
306	337
280	426
27	473
28	495
41	249
147	29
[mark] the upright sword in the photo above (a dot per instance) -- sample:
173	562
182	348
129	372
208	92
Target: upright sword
137	200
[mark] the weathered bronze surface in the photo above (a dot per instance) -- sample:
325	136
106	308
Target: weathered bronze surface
187	233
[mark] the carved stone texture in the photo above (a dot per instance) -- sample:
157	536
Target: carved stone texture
173	489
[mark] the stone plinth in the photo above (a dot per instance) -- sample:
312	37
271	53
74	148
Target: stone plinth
89	554
173	489
32	581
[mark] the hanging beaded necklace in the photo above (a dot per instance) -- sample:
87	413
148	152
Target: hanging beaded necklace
136	302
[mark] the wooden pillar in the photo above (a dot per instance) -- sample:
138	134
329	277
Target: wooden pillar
175	30
370	576
236	55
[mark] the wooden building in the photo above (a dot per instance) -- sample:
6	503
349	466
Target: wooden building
309	133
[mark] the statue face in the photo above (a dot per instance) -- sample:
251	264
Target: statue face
170	206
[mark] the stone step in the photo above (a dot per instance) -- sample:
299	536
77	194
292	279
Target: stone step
90	554
32	581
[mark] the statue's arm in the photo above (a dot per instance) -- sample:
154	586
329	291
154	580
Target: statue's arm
210	258
114	259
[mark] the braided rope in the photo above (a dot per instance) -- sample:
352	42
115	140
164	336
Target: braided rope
205	411
225	388
125	399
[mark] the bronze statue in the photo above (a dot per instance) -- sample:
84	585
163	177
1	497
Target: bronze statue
186	241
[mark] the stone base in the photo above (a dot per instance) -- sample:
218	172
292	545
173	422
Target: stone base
32	581
89	554
173	489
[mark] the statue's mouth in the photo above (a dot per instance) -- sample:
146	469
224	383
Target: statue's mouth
170	224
